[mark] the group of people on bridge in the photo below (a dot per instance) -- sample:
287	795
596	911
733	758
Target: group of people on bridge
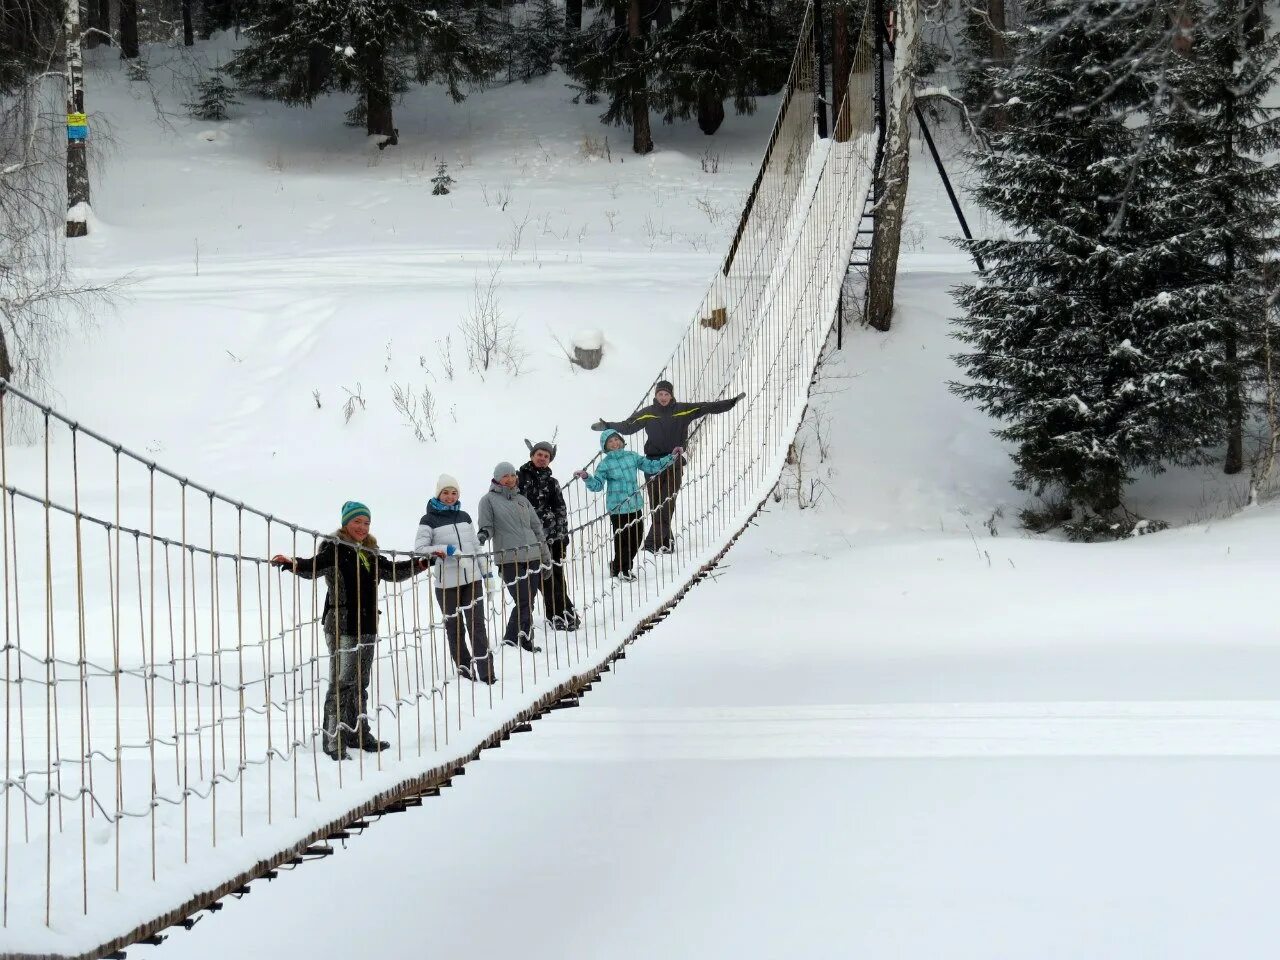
521	528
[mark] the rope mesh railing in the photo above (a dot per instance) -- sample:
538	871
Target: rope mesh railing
164	684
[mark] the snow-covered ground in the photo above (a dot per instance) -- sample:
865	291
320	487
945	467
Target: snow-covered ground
881	731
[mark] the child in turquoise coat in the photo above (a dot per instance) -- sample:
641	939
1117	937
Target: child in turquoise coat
616	473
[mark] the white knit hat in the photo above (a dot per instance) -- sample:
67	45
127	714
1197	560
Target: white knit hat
445	482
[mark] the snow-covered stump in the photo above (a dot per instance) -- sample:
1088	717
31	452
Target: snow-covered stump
588	349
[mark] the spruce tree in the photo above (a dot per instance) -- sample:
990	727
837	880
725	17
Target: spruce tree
441	182
1070	341
614	58
716	50
213	97
539	41
298	49
1216	137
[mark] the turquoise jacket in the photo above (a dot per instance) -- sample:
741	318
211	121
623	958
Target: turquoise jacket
617	471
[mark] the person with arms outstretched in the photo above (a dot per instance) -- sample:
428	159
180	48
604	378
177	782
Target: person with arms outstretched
666	424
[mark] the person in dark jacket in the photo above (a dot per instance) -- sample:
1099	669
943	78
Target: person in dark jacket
445	532
352	567
542	489
666	425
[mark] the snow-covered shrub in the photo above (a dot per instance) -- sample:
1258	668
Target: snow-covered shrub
441	182
213	95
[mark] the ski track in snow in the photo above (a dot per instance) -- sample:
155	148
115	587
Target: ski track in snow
1033	729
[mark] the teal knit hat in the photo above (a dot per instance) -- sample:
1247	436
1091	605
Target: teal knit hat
352	509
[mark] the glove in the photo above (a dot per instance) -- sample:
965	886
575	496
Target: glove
483	537
581	474
286	563
738	399
677	451
599	425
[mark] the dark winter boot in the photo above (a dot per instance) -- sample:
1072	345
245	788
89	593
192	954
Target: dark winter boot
524	643
482	671
371	744
331	741
363	737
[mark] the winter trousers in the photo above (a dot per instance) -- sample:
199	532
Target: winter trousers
346	703
555	591
463	609
523	582
661	489
626	540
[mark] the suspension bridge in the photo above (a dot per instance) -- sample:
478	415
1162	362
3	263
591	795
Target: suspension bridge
164	684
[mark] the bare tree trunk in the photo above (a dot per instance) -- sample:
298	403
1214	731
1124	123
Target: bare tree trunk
128	29
377	98
317	67
882	275
998	23
77	129
1254	33
99	31
573	16
641	138
188	28
840	67
6	365
710	112
1233	463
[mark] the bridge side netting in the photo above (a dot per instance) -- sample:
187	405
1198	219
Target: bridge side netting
164	687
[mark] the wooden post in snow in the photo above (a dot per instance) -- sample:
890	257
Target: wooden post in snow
882	275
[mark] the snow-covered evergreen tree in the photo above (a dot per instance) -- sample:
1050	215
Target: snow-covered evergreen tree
539	40
441	182
300	48
213	96
716	50
1072	340
1216	140
614	58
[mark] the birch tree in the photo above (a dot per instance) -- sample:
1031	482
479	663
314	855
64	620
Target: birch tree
895	167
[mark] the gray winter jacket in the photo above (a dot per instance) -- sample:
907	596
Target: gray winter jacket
510	526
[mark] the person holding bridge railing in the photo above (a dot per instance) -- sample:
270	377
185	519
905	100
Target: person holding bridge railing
666	425
616	475
352	567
